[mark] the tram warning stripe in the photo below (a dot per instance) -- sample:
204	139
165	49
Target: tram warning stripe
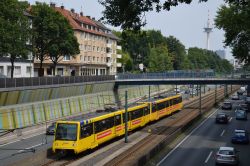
104	134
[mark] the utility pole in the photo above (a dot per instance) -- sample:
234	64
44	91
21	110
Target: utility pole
126	116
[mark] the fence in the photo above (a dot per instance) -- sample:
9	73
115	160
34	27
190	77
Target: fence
170	74
38	81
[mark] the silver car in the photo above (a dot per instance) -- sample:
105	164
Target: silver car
227	155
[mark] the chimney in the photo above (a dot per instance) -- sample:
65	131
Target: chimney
62	7
81	13
93	18
52	5
88	17
72	10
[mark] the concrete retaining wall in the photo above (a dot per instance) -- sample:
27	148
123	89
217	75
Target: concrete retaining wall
40	105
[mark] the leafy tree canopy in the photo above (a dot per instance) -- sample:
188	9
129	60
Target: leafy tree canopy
234	20
14	30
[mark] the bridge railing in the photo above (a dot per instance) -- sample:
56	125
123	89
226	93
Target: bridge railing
171	74
43	81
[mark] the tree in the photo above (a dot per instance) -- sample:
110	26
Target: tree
177	49
65	43
130	14
44	31
159	59
233	20
14	30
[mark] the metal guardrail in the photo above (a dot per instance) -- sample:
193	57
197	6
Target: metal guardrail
170	74
43	81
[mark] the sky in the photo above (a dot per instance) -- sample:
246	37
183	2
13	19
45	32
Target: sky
185	22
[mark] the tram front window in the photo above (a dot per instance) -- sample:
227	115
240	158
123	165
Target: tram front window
66	132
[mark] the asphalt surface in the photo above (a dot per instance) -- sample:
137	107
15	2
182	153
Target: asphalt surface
200	146
18	150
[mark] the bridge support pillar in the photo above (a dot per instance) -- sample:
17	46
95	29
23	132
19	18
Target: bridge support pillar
192	91
149	95
204	88
197	90
248	90
215	102
200	100
116	96
226	92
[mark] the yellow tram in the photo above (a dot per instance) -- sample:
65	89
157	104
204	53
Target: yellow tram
91	131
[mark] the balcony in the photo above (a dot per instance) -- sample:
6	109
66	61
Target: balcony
118	65
109	45
119	56
109	64
118	47
109	55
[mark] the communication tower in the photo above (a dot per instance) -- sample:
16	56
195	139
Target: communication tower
208	30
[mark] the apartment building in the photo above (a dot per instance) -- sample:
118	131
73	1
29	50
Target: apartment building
97	44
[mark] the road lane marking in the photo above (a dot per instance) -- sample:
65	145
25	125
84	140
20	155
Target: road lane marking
230	119
222	133
31	147
208	157
21	139
158	164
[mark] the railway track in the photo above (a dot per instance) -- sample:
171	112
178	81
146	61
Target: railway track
158	134
189	112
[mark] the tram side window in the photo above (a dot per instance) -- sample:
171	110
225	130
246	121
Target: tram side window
154	107
161	106
123	116
171	102
118	120
146	110
167	103
136	114
86	130
179	99
174	101
104	124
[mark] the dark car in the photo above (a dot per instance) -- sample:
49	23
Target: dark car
51	129
240	115
240	137
221	118
226	106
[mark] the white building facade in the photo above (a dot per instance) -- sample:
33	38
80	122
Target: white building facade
22	68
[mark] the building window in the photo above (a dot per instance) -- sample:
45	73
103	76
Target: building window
85	58
28	70
97	49
93	59
88	58
93	48
101	59
97	59
66	58
1	70
17	70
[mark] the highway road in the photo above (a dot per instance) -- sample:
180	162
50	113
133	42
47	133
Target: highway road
17	150
200	146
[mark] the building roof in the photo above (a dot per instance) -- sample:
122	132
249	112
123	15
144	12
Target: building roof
75	19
